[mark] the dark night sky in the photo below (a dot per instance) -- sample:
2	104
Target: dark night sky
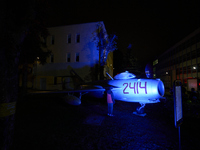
150	26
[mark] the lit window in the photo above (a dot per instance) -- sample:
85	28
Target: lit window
38	58
52	39
77	38
77	57
166	72
194	68
68	57
69	38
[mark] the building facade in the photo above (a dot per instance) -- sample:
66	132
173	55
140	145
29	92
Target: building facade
181	62
74	58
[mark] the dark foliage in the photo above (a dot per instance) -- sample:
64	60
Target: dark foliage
105	44
18	19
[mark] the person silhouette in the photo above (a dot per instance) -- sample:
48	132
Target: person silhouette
110	102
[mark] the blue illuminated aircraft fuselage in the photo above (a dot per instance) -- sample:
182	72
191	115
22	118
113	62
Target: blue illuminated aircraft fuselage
138	90
126	87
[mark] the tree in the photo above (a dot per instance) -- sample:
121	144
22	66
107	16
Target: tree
105	45
33	47
17	18
119	65
131	62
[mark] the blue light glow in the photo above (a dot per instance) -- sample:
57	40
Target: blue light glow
124	75
137	90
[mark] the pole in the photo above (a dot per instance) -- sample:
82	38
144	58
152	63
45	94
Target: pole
179	133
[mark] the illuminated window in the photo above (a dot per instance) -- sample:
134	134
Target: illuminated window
77	57
69	38
68	57
194	68
77	38
52	39
166	72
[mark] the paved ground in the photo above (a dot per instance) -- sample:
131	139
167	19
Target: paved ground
47	122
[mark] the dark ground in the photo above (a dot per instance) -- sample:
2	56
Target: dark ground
46	122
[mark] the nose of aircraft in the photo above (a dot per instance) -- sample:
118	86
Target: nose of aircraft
161	88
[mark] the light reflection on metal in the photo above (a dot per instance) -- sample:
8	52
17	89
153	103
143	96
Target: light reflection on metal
124	75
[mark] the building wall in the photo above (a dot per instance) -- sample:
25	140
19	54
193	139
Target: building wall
60	73
180	62
85	47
